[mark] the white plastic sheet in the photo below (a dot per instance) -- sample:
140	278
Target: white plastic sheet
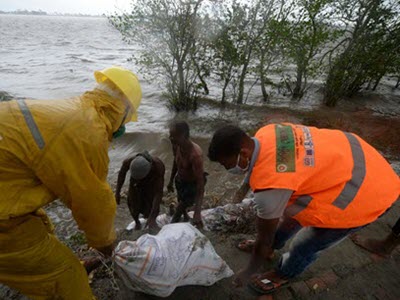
178	255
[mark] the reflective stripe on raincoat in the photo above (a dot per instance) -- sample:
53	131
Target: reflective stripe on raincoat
53	149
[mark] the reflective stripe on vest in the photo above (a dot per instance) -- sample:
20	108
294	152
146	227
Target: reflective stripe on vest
31	124
299	205
352	186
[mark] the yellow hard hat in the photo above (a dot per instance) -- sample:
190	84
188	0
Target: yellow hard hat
126	81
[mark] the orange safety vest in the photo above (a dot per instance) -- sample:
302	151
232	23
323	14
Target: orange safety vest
339	181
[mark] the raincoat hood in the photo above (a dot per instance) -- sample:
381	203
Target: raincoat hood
110	110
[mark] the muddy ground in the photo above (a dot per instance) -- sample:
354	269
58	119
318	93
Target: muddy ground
348	272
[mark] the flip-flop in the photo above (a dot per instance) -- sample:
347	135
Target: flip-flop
267	283
246	245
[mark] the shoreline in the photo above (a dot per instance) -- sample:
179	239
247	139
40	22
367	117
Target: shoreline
217	193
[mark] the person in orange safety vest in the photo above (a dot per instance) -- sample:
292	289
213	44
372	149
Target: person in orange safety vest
318	184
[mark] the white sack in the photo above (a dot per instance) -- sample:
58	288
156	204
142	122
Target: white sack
178	255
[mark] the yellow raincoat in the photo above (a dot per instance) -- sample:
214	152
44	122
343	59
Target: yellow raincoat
54	149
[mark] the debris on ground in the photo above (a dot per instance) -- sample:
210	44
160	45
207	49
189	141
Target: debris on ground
227	218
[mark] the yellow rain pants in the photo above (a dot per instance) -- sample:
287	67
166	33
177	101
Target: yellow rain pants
52	149
34	262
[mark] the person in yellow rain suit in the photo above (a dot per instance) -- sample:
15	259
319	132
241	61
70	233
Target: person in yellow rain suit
59	149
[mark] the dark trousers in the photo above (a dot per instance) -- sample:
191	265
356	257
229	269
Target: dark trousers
186	192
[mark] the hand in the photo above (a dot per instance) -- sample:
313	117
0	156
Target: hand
91	264
237	198
170	187
241	193
153	227
138	226
118	198
107	250
242	277
197	221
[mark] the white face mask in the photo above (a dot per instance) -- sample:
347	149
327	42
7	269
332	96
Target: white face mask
237	170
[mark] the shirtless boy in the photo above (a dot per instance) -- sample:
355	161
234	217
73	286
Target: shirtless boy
188	173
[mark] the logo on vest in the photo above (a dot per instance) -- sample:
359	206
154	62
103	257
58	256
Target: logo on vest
285	149
309	159
281	168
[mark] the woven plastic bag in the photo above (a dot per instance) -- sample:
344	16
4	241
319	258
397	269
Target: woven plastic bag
178	255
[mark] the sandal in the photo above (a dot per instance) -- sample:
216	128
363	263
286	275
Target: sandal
262	285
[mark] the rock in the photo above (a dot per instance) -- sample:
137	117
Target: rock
4	96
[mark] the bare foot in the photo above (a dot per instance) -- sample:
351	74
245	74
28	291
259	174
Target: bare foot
371	245
248	246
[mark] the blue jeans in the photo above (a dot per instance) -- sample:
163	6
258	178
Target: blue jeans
306	245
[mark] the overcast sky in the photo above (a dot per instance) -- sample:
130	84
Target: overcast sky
66	6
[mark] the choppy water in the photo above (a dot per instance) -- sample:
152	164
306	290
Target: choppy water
48	57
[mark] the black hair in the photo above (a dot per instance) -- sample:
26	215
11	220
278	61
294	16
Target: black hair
227	141
181	127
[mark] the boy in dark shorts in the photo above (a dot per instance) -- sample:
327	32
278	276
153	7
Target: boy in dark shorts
188	173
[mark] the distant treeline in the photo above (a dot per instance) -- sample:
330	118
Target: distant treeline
43	13
24	12
349	45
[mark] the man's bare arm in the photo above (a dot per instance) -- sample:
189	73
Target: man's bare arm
241	192
266	230
159	185
198	171
173	172
121	178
